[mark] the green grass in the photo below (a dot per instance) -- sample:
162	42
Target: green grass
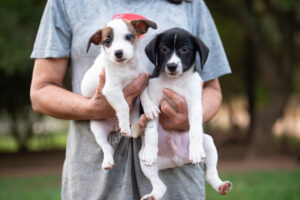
36	143
31	188
275	185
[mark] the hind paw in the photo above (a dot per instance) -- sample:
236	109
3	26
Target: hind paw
108	163
148	197
225	187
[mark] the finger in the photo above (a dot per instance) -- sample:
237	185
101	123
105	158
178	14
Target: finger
101	81
165	122
167	109
178	100
136	86
142	121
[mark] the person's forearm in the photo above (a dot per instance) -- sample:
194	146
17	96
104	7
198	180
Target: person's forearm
48	96
59	103
211	99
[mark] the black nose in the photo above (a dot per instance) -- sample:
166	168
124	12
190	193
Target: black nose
172	67
119	53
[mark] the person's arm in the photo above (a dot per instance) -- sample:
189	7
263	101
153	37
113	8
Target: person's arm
177	119
48	96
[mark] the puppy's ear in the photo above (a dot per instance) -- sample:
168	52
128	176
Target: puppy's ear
141	26
95	39
202	49
151	50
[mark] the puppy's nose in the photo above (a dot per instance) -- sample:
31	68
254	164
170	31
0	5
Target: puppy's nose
119	53
172	67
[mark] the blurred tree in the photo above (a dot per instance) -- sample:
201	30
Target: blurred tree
19	21
271	28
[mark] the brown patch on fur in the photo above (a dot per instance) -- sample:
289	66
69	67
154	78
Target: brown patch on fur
100	36
133	31
139	27
142	25
107	32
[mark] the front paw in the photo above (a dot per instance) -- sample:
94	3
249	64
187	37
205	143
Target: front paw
149	156
151	111
196	153
126	131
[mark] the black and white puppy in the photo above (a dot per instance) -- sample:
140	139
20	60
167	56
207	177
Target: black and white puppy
120	59
173	53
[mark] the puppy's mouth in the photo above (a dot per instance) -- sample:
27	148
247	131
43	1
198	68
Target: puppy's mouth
120	61
173	74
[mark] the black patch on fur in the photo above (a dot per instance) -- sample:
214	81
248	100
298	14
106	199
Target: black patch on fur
161	48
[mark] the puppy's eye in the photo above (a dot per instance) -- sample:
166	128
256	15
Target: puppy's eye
129	37
107	41
164	49
184	49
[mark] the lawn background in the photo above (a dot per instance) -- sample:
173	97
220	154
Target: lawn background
269	185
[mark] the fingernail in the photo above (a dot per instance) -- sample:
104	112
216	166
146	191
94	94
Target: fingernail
147	74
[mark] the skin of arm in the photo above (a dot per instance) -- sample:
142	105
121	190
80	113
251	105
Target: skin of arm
177	118
48	96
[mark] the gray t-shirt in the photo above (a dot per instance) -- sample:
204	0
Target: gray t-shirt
64	31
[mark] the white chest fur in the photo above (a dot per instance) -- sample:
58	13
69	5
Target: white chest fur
116	74
187	85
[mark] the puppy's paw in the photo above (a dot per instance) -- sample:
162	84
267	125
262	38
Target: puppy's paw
151	111
225	187
148	197
136	130
108	163
126	131
142	121
196	153
149	156
156	194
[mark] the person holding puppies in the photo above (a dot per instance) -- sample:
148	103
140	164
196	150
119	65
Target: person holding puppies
61	44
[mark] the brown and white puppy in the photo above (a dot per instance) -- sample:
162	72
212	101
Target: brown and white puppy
120	59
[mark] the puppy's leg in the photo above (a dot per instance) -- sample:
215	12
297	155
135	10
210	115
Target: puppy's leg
150	109
149	153
196	150
212	176
115	97
158	187
101	130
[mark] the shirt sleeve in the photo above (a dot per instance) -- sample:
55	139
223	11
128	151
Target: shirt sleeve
217	63
54	35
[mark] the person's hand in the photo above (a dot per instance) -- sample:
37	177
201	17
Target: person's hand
99	108
174	118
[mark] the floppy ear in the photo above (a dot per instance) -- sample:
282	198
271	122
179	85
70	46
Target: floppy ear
151	52
151	49
202	49
141	26
95	39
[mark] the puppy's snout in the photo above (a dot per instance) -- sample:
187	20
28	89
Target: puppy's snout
119	53
172	67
